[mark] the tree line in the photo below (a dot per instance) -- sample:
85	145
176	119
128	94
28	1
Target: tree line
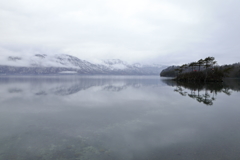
202	70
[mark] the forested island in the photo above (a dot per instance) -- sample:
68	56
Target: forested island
203	70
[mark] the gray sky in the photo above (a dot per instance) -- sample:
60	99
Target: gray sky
157	31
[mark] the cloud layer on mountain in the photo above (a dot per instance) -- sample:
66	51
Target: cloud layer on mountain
165	32
62	63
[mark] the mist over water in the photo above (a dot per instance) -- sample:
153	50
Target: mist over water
117	117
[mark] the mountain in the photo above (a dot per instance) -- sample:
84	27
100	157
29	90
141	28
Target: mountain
67	64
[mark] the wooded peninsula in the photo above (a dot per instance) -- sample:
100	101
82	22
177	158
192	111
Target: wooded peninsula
203	70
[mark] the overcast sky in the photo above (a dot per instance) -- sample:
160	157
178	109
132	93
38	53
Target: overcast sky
157	31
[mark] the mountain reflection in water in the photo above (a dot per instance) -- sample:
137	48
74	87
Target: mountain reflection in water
70	85
205	93
117	118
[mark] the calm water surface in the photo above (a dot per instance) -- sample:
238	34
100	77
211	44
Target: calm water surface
117	118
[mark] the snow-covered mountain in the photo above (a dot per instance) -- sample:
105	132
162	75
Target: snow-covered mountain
63	64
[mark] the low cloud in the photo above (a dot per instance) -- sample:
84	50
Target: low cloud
166	32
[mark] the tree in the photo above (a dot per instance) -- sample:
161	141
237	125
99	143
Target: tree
193	64
208	62
184	66
200	63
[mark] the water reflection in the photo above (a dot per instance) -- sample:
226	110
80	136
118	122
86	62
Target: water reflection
114	118
69	85
205	93
67	118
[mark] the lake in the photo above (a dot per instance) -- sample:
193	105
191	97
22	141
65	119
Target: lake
118	118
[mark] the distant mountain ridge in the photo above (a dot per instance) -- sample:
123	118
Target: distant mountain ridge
65	64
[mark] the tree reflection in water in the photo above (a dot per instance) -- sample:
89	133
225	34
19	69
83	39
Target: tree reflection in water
204	93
